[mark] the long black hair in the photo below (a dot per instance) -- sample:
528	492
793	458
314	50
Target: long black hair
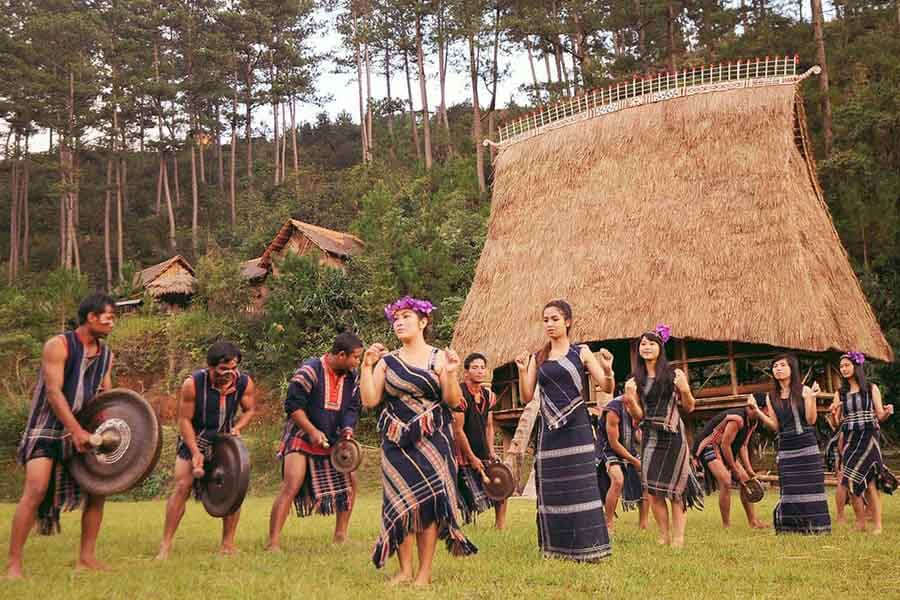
796	385
665	372
858	372
566	310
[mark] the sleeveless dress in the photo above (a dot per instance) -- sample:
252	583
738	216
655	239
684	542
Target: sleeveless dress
418	470
802	506
570	519
861	459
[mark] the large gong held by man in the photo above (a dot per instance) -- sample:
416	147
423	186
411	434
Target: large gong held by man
209	404
75	366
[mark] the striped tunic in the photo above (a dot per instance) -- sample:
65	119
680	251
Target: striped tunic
570	519
45	436
418	470
802	506
213	412
607	457
861	459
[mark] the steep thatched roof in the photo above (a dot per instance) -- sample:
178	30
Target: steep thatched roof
172	276
250	269
702	212
336	243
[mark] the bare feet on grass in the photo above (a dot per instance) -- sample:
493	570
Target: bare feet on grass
90	564
400	578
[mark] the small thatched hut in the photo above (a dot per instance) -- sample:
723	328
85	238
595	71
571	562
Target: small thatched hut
690	200
170	282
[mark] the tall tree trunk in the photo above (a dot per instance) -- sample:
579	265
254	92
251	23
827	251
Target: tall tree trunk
476	115
363	139
176	177
284	137
221	177
387	82
159	184
233	152
443	56
642	34
248	81
294	153
195	202
275	153
370	134
534	79
173	240
413	125
670	33
420	55
14	215
547	65
107	252
121	187
202	158
24	210
818	29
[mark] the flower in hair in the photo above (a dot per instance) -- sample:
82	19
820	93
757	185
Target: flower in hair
664	332
408	303
856	357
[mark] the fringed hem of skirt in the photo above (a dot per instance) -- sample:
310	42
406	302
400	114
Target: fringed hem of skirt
691	497
327	505
592	557
388	542
629	505
789	530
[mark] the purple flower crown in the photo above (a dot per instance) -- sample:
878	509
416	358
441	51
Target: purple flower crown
664	332
408	303
856	357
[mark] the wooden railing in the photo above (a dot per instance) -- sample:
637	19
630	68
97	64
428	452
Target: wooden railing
651	89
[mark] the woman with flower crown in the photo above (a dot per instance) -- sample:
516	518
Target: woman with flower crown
418	387
658	389
570	519
858	410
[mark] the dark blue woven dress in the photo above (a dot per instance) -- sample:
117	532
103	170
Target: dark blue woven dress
802	506
570	519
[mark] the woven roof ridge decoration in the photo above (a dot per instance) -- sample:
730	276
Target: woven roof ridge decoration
337	243
779	70
702	212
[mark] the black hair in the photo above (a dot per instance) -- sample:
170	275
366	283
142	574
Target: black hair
796	385
665	372
95	304
222	351
565	310
858	371
346	342
472	358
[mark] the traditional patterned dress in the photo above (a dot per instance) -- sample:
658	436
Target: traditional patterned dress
214	413
665	458
708	446
331	402
418	470
802	506
606	456
476	410
45	436
570	519
861	460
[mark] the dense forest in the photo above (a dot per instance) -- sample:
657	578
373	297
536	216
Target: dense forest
133	130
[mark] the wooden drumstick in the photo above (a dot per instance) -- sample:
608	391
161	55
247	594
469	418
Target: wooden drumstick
325	444
96	440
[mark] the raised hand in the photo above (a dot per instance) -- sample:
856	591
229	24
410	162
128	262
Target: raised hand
681	381
606	360
522	361
451	361
373	354
752	405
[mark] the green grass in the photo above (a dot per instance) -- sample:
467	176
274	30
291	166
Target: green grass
736	564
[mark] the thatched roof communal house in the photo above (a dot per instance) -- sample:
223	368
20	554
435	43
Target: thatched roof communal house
690	200
171	282
330	247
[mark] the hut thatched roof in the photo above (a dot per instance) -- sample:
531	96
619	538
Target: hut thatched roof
172	276
250	269
702	212
336	243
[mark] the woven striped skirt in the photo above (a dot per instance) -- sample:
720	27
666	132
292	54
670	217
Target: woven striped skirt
861	460
570	520
802	506
666	467
472	494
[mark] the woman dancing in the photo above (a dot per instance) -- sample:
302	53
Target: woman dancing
858	409
570	519
791	413
657	388
418	386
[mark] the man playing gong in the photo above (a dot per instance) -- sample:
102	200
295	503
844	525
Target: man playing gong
210	399
473	428
322	407
74	367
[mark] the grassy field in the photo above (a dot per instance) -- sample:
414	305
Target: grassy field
738	564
